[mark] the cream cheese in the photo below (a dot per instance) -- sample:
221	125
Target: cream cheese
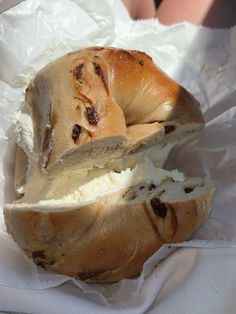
113	182
24	131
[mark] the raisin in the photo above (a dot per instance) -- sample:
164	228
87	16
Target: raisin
158	207
96	48
76	132
78	71
169	128
92	115
141	62
97	69
188	190
151	187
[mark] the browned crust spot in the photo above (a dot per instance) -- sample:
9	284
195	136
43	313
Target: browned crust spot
38	254
142	54
126	53
96	48
89	275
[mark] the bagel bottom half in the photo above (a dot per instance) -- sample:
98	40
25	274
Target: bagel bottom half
111	238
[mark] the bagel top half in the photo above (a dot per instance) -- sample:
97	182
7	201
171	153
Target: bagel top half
98	104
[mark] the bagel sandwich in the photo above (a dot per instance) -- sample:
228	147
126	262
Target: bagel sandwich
94	201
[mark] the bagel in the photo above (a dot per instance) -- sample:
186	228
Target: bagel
93	199
109	103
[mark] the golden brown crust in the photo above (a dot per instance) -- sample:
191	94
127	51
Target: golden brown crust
107	240
92	95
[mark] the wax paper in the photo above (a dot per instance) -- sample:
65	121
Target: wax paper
36	32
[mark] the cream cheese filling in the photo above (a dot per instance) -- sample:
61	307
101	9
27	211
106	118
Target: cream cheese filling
24	132
113	182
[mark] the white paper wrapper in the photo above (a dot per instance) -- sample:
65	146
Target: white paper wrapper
204	61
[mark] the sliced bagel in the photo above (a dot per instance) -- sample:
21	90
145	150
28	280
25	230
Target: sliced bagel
103	103
110	238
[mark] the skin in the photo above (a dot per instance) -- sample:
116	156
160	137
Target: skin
211	13
140	9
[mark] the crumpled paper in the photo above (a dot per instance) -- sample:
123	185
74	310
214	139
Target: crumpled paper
36	32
